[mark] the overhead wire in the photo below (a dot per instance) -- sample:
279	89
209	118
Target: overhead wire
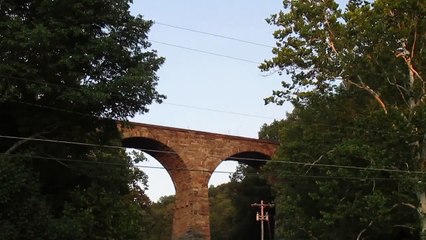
243	114
165	103
207	109
53	108
201	51
213	34
206	52
280	161
209	34
283	174
244	159
186	106
237	159
218	111
324	165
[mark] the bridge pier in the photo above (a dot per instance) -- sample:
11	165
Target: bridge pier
191	216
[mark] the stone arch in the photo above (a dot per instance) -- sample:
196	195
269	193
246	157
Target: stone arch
253	159
164	154
176	167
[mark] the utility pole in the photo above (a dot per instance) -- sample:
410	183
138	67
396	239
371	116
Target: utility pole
263	216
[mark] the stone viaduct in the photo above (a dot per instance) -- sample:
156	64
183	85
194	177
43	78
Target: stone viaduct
190	157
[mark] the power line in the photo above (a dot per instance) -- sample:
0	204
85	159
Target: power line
54	109
284	174
173	104
110	163
217	110
182	169
79	143
213	34
229	158
206	52
112	94
206	109
250	159
165	103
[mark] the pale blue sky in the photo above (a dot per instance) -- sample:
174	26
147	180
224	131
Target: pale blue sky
205	81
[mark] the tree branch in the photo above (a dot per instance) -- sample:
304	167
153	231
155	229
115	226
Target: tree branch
23	141
400	88
376	96
413	46
319	159
309	233
363	230
410	65
331	38
405	204
403	226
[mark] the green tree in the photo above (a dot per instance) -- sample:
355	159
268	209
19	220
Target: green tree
66	67
271	131
358	88
222	212
162	218
324	174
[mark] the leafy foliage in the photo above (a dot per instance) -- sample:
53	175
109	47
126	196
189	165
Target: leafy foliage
231	214
325	178
369	46
161	214
85	56
352	154
63	65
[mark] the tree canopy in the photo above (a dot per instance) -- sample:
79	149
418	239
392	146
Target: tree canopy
66	69
350	164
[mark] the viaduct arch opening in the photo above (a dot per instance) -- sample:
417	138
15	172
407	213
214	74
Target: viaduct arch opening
231	201
154	152
252	159
164	154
